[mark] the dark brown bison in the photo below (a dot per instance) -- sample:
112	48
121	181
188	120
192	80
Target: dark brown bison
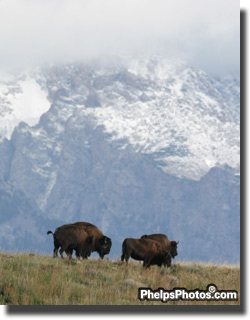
71	238
147	250
170	246
102	243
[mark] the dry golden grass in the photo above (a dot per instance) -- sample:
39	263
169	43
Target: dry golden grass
40	280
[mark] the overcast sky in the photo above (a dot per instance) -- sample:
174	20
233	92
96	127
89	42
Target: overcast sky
205	33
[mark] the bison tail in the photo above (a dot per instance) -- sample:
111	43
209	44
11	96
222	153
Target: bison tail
50	232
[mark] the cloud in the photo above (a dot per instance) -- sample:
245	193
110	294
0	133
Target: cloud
205	33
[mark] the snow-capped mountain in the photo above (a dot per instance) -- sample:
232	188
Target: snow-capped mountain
148	144
187	121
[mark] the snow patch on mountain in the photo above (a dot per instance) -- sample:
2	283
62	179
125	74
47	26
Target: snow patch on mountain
21	100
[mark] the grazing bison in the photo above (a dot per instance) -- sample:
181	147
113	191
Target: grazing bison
147	250
102	243
170	246
71	238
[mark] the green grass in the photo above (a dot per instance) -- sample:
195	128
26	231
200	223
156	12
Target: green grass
40	280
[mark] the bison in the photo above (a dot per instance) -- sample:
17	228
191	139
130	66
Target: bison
72	238
102	243
170	246
147	250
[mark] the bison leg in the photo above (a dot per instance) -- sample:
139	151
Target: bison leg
78	255
69	253
125	256
168	264
56	247
55	255
61	252
85	255
146	263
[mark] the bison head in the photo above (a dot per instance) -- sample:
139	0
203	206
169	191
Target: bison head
174	248
105	244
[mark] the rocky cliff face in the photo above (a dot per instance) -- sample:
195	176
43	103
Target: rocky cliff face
140	146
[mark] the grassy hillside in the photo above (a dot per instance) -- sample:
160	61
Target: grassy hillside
27	279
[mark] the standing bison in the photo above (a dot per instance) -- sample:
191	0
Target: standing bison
170	246
147	250
101	243
71	238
